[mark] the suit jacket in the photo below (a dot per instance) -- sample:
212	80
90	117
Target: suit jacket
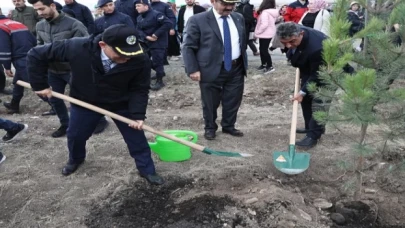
180	22
203	48
308	57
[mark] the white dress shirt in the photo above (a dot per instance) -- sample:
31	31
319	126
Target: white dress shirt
234	33
187	14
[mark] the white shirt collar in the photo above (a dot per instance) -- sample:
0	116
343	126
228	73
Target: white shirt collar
103	55
217	15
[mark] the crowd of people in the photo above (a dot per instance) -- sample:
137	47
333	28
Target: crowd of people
130	38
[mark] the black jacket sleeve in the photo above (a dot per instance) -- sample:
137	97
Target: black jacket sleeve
198	9
38	59
5	49
88	17
357	23
180	20
315	63
164	25
169	14
139	91
248	14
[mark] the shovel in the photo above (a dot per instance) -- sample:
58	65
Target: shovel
291	162
145	127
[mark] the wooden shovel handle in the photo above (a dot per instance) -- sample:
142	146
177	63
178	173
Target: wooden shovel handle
295	108
117	117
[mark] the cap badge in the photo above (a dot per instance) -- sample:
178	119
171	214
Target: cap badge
131	40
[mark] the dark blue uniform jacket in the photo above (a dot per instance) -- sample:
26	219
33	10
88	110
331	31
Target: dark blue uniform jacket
153	22
127	7
165	9
83	14
126	86
114	18
15	41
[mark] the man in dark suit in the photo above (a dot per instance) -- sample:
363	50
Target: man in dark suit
214	53
305	52
185	13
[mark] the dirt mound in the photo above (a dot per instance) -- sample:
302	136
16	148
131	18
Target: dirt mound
154	206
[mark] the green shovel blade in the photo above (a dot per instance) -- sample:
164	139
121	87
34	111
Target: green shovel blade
291	162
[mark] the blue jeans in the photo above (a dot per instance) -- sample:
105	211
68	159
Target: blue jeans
8	125
20	74
81	126
58	83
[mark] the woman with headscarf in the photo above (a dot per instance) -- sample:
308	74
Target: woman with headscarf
317	17
173	50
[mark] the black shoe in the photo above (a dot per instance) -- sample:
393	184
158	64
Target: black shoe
262	67
268	70
153	179
12	107
209	134
6	91
60	132
101	126
12	135
49	113
307	142
158	85
233	132
70	168
301	131
154	77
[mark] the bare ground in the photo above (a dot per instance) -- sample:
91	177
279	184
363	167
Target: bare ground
206	191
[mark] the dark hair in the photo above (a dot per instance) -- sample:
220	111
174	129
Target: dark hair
288	29
281	8
266	4
58	6
45	2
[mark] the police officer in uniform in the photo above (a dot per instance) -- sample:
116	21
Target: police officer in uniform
111	17
166	10
153	28
111	71
16	41
127	7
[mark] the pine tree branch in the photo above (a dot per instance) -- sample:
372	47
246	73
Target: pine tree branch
374	58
